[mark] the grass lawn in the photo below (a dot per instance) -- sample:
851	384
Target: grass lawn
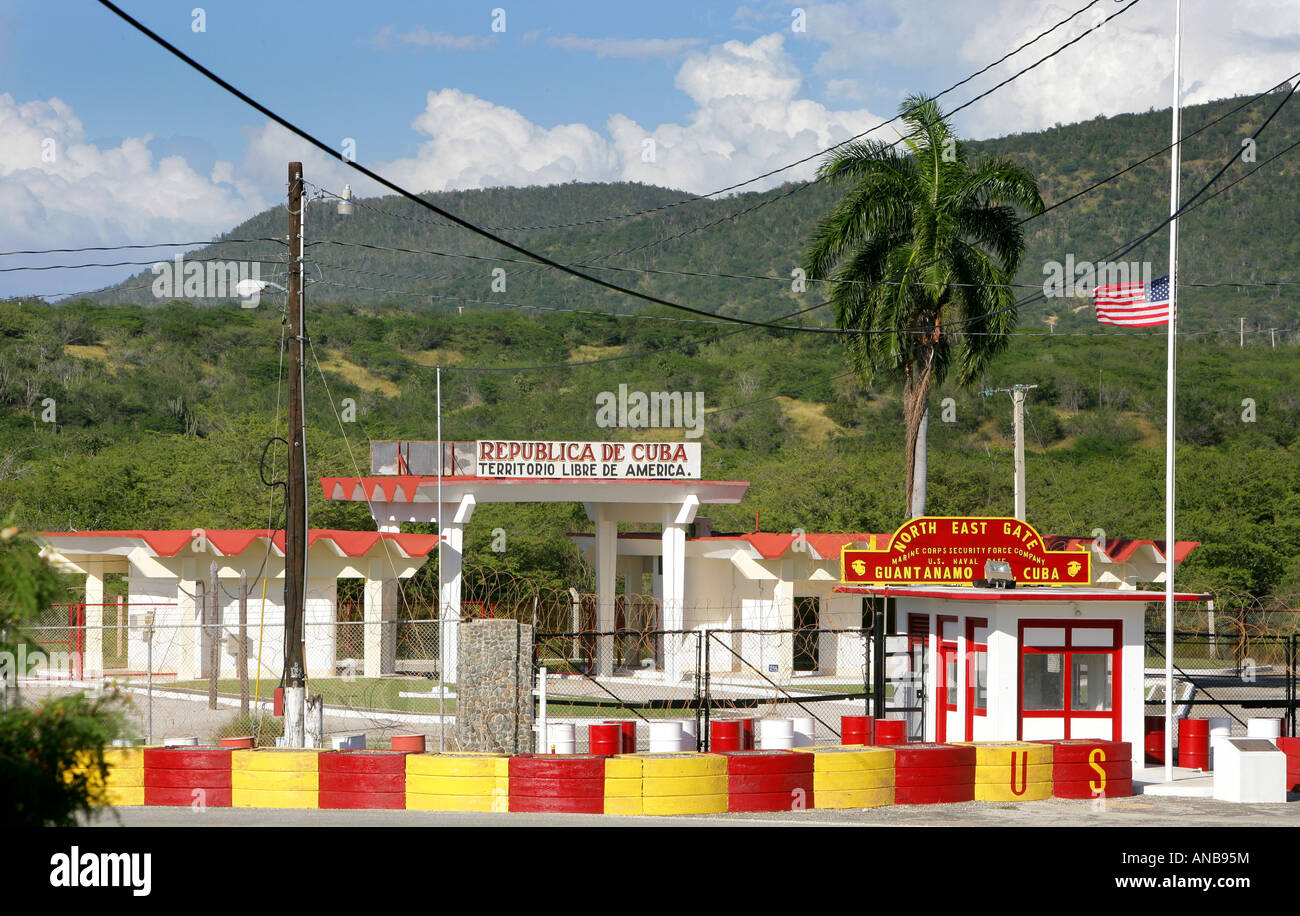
360	693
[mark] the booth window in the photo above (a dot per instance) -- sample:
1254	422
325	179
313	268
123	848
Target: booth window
1044	687
1069	672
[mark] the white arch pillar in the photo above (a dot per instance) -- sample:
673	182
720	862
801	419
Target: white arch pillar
457	515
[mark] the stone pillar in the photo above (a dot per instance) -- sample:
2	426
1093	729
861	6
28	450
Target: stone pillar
380	614
93	661
494	695
606	586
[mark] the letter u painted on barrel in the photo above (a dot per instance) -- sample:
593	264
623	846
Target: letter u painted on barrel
1024	773
1095	760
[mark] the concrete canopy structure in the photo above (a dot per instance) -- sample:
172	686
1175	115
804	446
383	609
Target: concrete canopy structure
671	504
167	573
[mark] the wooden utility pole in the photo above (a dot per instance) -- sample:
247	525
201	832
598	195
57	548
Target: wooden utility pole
1242	331
295	517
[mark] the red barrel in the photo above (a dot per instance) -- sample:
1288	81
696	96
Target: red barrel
245	742
363	779
184	776
890	731
747	734
1194	743
408	744
605	739
1291	747
1154	732
569	783
927	774
725	735
628	726
1091	768
776	780
855	729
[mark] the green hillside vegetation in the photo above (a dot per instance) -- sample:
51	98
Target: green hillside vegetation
161	409
161	415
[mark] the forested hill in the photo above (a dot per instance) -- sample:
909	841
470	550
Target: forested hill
1243	233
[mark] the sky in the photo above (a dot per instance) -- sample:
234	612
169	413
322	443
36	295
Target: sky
106	139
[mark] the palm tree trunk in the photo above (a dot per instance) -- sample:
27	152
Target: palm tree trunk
920	465
916	398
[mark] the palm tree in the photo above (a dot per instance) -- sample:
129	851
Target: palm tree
920	252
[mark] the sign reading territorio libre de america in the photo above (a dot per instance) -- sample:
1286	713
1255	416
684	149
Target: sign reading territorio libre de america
588	460
952	551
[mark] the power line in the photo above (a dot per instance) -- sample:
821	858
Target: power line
5	254
36	267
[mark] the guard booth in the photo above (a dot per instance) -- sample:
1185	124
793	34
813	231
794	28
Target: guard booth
1012	636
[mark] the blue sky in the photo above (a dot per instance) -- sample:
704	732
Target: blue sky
436	98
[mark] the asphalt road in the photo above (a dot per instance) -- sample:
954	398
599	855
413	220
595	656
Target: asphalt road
1138	811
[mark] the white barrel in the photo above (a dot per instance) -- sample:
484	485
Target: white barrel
805	731
666	737
1263	728
690	733
1220	728
561	738
180	742
775	734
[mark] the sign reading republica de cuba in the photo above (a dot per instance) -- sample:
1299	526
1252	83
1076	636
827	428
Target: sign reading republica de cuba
588	460
952	551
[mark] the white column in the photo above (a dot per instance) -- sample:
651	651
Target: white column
453	545
187	637
93	662
606	585
379	598
672	586
673	593
320	625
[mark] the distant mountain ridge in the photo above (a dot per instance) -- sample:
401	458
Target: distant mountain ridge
1244	235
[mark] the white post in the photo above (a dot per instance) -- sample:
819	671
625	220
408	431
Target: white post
541	746
1018	416
673	593
93	663
379	612
606	584
1169	397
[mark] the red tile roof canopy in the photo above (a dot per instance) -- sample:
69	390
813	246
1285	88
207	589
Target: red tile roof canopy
233	542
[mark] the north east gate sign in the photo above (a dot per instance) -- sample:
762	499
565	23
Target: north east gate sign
587	460
952	551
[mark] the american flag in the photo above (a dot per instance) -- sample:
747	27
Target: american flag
1134	305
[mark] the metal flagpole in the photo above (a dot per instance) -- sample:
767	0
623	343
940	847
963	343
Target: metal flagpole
1169	397
442	622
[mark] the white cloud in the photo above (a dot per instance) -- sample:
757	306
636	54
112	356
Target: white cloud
748	118
420	39
628	48
1126	66
58	190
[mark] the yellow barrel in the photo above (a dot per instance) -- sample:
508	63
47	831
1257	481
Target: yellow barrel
851	776
457	782
275	778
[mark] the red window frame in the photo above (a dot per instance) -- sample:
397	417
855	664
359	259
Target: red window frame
947	648
1067	651
973	650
